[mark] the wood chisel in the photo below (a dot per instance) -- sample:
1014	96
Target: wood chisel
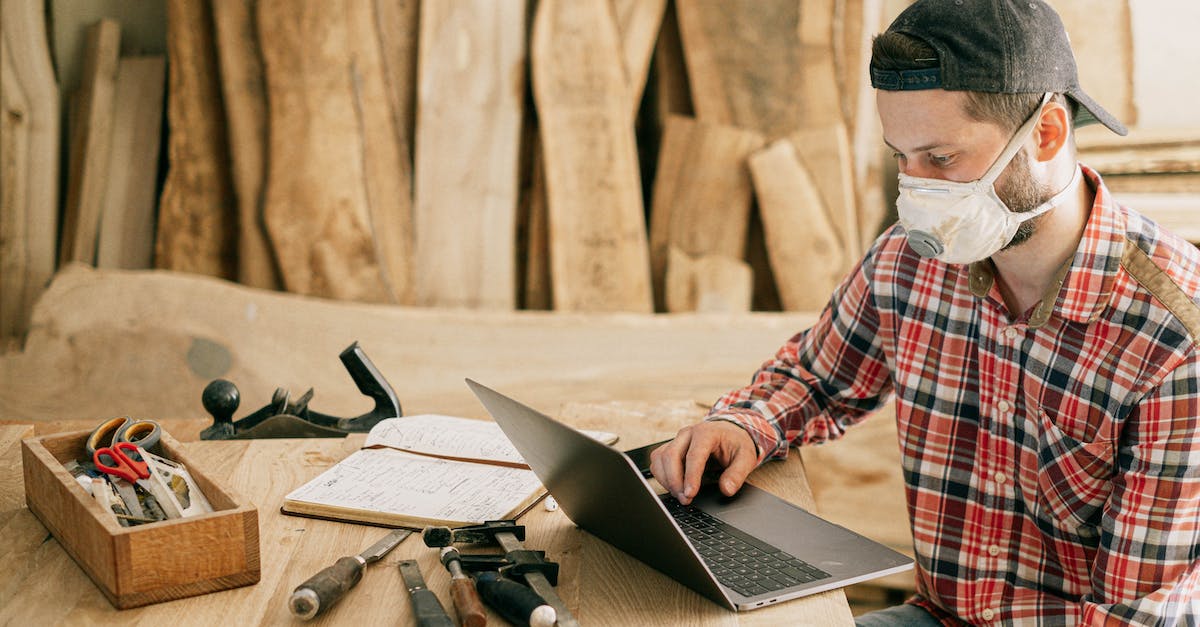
324	589
427	609
462	590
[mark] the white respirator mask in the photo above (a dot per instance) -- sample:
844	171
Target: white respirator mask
966	222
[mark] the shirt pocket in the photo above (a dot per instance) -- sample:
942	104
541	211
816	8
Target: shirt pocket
1074	480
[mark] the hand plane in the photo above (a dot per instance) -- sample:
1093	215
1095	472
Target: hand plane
285	418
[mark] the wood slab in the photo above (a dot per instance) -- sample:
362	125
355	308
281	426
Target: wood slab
29	226
398	23
708	283
90	144
638	24
470	103
197	215
861	21
146	343
743	60
702	194
805	250
244	94
1102	39
822	141
668	72
131	196
598	250
337	205
538	293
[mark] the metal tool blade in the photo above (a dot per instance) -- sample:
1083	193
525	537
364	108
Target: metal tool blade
376	551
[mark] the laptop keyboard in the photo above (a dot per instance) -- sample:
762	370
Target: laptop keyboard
739	560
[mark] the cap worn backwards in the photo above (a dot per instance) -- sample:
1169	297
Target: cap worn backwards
1003	46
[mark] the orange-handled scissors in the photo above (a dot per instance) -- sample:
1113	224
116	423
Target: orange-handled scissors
128	466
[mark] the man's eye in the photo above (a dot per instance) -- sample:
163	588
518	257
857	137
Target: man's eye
940	159
898	156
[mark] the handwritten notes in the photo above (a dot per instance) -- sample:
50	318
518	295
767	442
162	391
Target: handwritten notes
451	437
423	470
386	486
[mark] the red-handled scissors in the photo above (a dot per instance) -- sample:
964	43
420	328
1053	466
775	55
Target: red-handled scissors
128	466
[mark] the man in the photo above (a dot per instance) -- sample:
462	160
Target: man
1039	341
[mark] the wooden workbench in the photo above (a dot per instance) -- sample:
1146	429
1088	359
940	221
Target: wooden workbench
41	585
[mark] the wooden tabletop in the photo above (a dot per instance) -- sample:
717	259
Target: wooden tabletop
40	584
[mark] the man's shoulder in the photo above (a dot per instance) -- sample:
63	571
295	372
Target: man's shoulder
1164	272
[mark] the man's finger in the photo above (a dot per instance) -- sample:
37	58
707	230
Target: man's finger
740	466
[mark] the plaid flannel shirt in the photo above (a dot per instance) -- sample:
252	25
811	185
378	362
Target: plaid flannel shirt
1051	461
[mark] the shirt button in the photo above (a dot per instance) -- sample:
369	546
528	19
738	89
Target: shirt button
988	614
1004	406
999	477
1010	333
993	550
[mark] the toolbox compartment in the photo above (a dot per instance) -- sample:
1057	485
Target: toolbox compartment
149	563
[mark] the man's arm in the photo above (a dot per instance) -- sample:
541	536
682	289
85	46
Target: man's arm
1147	570
817	384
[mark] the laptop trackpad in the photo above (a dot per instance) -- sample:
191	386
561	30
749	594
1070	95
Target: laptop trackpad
787	527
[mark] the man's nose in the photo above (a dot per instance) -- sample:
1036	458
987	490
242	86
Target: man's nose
912	167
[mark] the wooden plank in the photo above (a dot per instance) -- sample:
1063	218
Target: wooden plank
822	141
91	144
1163	39
598	250
1153	183
672	95
29	237
862	21
398	24
244	94
127	222
1138	138
638	24
804	248
1102	39
743	60
337	204
14	200
702	193
197	214
470	101
538	285
708	283
1148	160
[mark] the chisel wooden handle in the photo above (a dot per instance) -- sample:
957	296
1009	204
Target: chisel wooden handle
466	603
324	589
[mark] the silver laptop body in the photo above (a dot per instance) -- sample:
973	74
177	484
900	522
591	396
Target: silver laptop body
602	491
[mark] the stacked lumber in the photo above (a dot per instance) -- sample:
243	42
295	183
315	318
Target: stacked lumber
574	155
1153	171
29	136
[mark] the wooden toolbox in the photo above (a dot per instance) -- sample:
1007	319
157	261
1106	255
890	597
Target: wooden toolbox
148	563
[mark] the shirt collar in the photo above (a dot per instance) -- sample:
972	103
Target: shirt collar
1082	288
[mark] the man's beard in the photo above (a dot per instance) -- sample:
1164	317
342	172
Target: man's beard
1022	193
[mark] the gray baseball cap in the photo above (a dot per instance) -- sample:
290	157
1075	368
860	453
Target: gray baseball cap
1004	46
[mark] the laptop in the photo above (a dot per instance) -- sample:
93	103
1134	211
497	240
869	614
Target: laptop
742	552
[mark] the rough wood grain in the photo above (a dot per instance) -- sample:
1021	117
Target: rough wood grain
821	141
804	248
638	23
398	22
197	217
337	204
671	93
470	101
91	143
598	250
29	237
743	60
1102	39
170	328
708	283
244	94
130	199
539	293
702	193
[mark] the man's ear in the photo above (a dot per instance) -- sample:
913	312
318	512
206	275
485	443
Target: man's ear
1053	131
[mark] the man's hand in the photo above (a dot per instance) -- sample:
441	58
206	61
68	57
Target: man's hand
678	464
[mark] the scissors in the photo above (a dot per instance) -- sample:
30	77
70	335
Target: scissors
125	461
144	433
